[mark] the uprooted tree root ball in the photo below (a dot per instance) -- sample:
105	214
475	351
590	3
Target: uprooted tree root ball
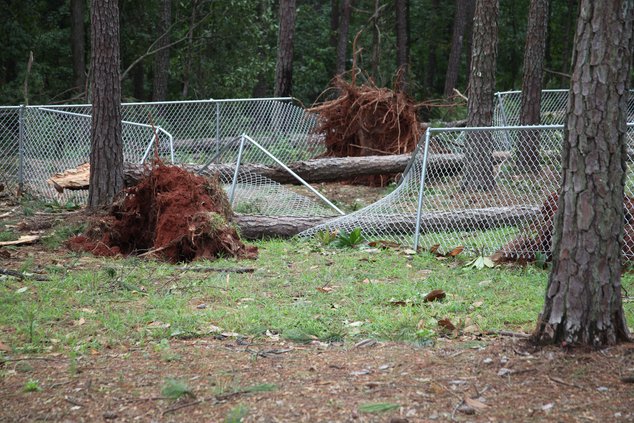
366	120
539	235
171	214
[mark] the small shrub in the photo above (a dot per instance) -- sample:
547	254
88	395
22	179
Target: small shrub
351	240
32	385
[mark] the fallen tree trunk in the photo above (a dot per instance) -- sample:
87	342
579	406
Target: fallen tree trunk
256	227
329	169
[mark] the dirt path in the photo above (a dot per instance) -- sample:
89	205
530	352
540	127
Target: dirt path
483	379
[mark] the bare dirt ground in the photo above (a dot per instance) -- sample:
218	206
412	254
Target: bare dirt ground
470	378
497	379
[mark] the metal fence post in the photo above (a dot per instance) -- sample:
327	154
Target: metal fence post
21	149
217	128
419	208
504	119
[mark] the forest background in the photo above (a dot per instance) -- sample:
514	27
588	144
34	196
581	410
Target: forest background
201	49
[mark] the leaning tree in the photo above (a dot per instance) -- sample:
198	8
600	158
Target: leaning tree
106	149
583	298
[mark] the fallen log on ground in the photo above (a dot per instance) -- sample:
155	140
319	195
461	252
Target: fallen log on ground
256	227
328	169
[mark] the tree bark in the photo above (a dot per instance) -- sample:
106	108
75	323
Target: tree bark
479	145
457	37
583	299
78	43
376	41
528	146
106	150
190	51
342	40
402	43
312	171
284	67
255	227
430	74
162	57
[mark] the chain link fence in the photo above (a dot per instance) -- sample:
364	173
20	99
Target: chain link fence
474	191
38	141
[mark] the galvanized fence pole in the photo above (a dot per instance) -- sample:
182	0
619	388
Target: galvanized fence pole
419	208
21	137
217	128
232	191
504	119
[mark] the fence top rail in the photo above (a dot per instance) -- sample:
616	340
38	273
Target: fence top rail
552	90
505	128
150	103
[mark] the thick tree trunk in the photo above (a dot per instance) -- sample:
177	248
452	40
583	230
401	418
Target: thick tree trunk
430	74
457	37
106	150
254	227
402	43
187	70
478	148
534	52
469	37
312	171
284	67
583	299
162	57
342	39
78	43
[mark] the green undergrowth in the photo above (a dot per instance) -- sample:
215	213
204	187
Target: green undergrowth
299	292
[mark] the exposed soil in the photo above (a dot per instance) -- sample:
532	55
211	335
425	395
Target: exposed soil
172	214
482	379
366	120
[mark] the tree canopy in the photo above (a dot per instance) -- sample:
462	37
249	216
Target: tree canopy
228	48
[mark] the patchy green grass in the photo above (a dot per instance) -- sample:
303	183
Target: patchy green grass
299	291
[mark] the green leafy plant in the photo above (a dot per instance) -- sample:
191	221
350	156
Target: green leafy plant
378	407
56	206
480	263
175	388
325	237
351	240
32	385
237	414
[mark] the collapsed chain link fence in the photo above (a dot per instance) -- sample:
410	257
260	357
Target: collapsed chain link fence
512	171
38	141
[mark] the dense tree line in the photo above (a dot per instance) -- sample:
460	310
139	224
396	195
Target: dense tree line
228	48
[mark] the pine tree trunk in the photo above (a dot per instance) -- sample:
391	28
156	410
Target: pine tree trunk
190	51
583	299
534	52
478	149
457	37
284	67
342	40
402	43
78	43
106	152
162	57
430	74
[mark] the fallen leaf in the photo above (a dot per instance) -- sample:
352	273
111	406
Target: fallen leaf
4	347
474	403
80	322
455	251
21	290
434	248
215	329
384	244
446	324
478	304
88	310
366	280
355	324
435	295
409	252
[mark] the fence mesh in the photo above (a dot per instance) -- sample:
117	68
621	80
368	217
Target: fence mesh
486	189
56	138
